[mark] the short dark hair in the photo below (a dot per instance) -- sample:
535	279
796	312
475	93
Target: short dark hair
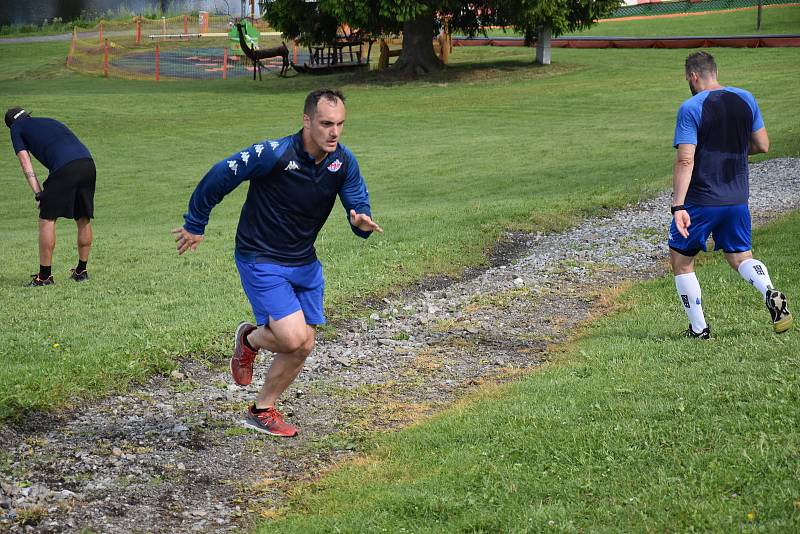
15	114
701	63
313	98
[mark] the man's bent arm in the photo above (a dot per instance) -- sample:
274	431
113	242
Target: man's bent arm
223	178
27	168
759	142
682	173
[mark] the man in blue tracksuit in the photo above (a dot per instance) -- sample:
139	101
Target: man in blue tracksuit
68	190
294	182
715	131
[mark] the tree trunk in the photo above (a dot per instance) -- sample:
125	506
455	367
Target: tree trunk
544	34
418	56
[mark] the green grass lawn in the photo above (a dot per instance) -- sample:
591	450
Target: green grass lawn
632	428
451	162
774	20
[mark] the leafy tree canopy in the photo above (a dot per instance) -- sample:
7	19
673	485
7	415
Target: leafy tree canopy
318	22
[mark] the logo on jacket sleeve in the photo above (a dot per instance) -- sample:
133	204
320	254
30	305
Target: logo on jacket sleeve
335	166
292	166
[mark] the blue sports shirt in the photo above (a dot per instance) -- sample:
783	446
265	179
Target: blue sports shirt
48	140
289	199
719	123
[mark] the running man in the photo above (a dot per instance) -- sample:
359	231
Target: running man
716	130
294	182
68	190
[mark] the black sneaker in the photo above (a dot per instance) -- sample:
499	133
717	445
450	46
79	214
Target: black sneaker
36	281
79	276
778	308
705	334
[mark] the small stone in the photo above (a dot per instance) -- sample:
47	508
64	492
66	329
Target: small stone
177	375
64	494
181	466
116	451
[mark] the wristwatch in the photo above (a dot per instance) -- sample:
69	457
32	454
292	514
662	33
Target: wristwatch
37	195
679	207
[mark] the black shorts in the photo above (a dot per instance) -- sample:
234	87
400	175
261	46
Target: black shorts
69	192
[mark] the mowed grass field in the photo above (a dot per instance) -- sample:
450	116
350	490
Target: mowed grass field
779	19
631	428
451	162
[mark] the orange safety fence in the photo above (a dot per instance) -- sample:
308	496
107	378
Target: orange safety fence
163	49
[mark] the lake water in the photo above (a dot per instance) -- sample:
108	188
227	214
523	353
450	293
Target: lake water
35	11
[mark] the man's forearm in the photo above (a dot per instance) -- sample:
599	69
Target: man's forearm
681	177
682	173
27	170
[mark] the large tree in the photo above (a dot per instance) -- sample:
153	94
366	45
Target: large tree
418	21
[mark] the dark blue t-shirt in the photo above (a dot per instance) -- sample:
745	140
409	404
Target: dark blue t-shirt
48	140
719	123
289	199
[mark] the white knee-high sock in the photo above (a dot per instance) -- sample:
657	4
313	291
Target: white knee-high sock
756	273
689	292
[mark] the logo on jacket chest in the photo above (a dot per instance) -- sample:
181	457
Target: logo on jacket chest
335	166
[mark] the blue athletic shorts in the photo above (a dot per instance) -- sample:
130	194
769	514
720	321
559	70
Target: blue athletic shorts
730	226
277	291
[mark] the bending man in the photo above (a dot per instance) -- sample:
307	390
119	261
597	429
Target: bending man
67	192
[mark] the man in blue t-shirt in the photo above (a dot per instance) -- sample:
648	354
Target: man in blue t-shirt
293	185
68	190
715	131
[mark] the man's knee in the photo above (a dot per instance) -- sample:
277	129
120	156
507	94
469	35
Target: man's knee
681	264
299	343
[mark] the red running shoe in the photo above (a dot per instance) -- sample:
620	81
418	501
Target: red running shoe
242	361
270	421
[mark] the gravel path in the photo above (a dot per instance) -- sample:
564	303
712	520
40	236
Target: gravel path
173	457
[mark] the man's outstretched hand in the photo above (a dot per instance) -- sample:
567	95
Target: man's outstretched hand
185	240
363	222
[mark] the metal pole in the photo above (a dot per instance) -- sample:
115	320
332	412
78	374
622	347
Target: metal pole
758	17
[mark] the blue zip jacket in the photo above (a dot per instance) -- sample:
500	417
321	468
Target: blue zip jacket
289	199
